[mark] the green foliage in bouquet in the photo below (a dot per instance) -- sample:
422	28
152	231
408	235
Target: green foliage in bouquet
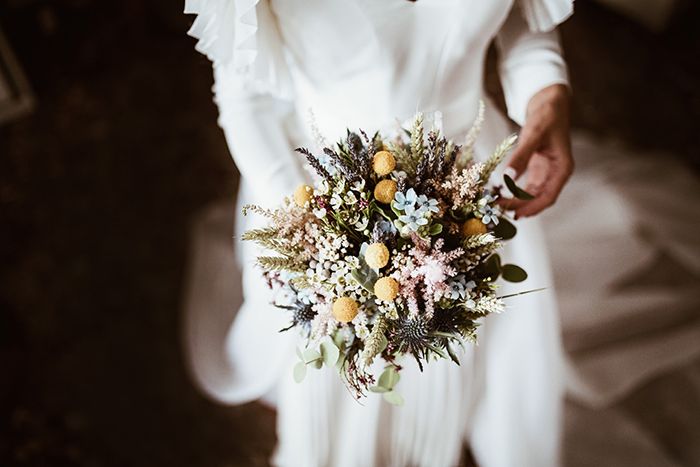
393	252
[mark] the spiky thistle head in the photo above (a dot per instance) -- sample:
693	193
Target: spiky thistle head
412	335
302	315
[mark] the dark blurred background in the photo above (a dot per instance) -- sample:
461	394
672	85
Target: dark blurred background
104	167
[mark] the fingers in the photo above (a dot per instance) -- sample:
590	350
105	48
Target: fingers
560	173
513	204
537	172
529	140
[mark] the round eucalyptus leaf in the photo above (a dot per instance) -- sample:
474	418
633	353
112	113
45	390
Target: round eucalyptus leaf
505	230
389	378
299	372
330	353
393	397
378	389
493	266
516	190
513	273
310	355
384	343
435	229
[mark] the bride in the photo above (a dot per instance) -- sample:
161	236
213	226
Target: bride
368	64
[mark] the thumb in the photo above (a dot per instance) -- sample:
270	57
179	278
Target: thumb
529	140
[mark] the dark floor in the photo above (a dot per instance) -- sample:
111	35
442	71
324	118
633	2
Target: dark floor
97	189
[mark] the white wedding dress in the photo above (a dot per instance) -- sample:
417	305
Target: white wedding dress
370	64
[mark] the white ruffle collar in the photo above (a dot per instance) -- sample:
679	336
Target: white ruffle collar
545	15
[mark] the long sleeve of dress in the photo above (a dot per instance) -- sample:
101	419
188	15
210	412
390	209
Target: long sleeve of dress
256	129
529	60
253	92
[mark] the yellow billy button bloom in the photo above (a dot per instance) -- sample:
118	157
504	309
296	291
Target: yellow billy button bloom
377	255
473	227
344	309
386	289
383	163
302	195
384	191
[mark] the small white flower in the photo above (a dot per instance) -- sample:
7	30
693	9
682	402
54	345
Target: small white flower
350	198
359	185
362	223
336	201
322	188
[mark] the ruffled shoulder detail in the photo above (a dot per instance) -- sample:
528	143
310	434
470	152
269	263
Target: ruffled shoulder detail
545	15
242	36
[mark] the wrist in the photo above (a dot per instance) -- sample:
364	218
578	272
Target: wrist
554	98
550	104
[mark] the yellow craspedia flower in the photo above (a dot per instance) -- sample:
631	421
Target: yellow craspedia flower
377	255
473	227
386	289
383	163
344	309
302	195
385	190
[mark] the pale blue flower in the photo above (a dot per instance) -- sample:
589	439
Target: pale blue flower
403	202
413	219
486	211
427	205
460	288
488	214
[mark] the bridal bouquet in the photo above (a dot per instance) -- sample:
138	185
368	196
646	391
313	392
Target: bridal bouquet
393	252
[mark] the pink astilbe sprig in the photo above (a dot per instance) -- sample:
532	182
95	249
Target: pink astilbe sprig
423	271
462	186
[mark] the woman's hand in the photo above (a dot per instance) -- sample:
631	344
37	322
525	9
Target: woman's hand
543	151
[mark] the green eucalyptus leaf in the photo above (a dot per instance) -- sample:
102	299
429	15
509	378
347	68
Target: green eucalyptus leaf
516	190
378	389
366	278
311	355
384	343
299	354
330	353
365	275
299	372
493	266
505	230
513	273
393	397
435	229
338	340
389	378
